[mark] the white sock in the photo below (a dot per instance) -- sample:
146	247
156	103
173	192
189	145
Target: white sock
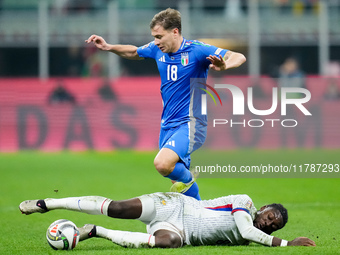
91	204
127	239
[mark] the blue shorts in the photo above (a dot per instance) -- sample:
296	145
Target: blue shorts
183	140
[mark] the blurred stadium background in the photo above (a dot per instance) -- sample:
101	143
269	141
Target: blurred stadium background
59	93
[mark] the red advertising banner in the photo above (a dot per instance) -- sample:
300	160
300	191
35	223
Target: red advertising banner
82	114
30	118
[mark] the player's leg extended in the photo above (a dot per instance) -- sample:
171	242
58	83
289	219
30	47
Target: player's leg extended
123	238
160	239
96	205
88	204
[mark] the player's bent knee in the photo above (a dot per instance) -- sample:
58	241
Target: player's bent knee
162	167
167	239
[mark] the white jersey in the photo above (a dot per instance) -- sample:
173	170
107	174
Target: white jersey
211	222
208	222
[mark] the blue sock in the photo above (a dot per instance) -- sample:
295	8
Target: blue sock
180	173
193	192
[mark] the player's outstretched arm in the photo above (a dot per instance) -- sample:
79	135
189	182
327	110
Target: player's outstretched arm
230	60
124	51
249	232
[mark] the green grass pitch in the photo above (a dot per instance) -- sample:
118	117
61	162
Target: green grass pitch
313	204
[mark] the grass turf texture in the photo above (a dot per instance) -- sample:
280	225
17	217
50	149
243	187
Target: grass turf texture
313	204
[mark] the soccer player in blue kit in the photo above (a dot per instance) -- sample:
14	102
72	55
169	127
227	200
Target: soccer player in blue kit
183	66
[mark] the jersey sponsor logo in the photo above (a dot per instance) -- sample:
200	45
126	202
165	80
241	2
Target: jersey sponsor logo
162	59
185	58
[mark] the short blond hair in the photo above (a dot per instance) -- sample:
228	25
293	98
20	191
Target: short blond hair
168	19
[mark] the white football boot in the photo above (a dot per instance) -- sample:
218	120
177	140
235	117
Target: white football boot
32	206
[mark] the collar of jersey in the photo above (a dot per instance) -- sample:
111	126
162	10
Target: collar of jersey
180	48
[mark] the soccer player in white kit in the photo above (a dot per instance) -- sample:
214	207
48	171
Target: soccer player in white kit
174	220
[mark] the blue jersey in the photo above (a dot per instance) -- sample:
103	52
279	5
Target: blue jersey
179	73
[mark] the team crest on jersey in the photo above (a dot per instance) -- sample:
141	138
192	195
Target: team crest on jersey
249	205
185	58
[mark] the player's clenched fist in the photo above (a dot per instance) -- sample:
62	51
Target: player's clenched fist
98	41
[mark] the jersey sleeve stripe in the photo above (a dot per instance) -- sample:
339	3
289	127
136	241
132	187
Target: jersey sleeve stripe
227	207
240	209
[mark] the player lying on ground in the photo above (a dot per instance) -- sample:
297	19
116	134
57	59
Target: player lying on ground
174	220
183	67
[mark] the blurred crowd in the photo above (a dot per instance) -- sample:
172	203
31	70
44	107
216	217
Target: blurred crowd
69	6
76	60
